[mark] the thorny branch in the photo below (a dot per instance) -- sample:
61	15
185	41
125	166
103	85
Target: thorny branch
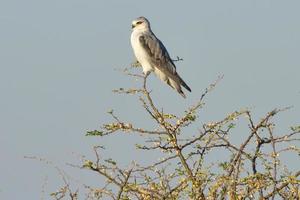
248	169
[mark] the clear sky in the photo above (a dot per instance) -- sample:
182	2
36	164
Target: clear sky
57	61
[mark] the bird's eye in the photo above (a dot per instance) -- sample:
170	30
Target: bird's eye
139	22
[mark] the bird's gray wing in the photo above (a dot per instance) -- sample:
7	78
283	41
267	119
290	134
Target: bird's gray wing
157	53
160	58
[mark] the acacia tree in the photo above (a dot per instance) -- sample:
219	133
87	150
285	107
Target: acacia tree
251	169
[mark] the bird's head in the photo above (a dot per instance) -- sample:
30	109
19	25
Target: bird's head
140	23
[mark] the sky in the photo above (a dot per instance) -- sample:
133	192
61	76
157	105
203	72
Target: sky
58	62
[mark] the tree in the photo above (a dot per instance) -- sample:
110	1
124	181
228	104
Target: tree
251	169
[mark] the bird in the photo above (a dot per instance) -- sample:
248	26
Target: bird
153	55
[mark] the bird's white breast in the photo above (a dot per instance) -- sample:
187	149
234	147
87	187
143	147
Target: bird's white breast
140	53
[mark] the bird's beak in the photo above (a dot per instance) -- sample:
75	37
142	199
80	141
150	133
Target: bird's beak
132	25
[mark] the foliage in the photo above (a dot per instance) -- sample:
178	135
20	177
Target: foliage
251	169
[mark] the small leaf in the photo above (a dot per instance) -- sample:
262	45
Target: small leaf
94	133
191	117
88	164
110	161
169	116
231	125
295	128
136	64
224	165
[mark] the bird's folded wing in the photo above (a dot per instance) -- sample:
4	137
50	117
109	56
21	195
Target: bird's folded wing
157	53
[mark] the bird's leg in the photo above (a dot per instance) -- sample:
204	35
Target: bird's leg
145	78
146	74
136	64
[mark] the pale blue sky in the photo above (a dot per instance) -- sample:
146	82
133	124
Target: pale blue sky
57	61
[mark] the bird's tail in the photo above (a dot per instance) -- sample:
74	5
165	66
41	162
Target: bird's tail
181	93
178	88
176	82
184	84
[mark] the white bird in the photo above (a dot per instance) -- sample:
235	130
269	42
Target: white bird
153	56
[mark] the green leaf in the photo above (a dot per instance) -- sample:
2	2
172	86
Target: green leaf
94	133
110	161
169	116
136	64
88	164
224	165
295	128
191	117
231	125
